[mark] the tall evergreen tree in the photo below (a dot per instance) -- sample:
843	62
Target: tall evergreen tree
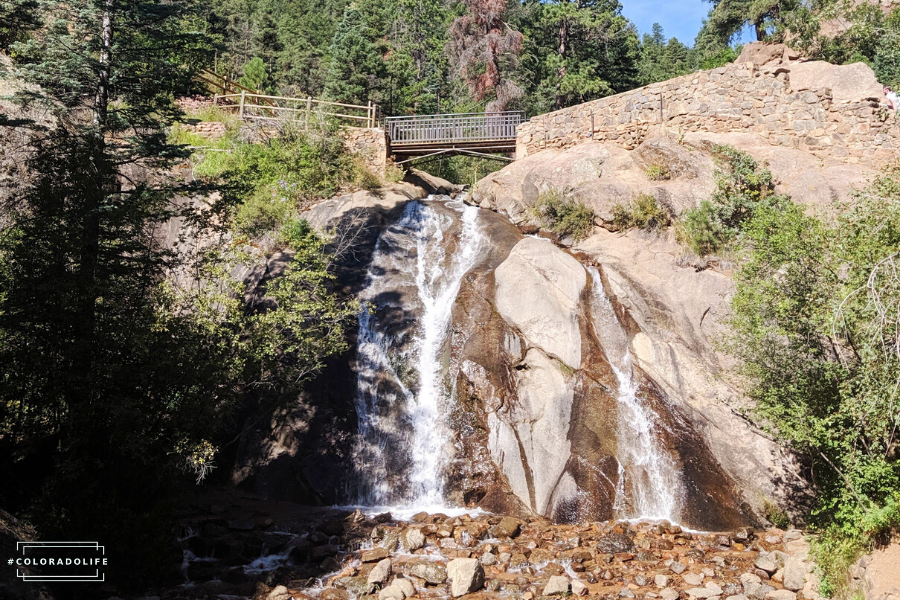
356	65
580	50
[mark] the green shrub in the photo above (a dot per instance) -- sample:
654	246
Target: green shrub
742	188
643	212
562	215
700	229
658	172
267	183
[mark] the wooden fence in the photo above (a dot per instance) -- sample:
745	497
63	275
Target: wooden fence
253	106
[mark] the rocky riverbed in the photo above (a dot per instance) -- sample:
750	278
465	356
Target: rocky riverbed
344	555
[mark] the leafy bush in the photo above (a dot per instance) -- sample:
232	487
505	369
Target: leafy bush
742	187
269	182
658	172
562	215
643	212
813	325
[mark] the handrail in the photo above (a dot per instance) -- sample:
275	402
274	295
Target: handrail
453	128
248	105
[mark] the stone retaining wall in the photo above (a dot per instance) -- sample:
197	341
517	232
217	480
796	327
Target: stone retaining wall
371	144
733	98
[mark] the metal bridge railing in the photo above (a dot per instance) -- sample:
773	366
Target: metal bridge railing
453	128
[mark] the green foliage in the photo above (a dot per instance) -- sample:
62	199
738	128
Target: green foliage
562	215
17	19
271	181
578	51
813	325
643	212
255	75
657	172
661	60
463	170
776	516
742	188
356	64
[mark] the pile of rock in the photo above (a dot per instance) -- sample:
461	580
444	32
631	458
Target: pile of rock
210	130
490	557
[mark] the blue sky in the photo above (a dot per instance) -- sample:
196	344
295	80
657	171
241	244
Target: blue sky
679	18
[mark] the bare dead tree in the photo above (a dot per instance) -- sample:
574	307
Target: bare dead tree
483	50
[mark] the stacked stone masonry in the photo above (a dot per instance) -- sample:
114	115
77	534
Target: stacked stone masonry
370	143
734	98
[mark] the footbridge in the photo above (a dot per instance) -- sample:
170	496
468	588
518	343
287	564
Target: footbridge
473	134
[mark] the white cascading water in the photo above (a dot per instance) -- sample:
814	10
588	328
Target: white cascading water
650	486
405	416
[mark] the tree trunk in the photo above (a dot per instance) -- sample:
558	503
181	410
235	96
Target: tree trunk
561	71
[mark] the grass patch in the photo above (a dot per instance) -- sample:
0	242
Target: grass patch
563	215
658	172
643	212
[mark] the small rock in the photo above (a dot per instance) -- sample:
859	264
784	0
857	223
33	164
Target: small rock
766	564
669	594
556	586
431	572
466	576
334	594
737	597
504	557
661	581
281	593
794	574
405	586
320	553
750	578
506	528
793	534
412	539
579	589
626	593
493	585
488	559
615	543
379	575
778	576
704	592
641	579
781	595
693	579
677	567
391	592
374	555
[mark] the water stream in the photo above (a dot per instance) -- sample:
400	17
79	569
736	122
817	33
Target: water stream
412	283
650	485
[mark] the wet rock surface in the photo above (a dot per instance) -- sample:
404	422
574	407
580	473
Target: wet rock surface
327	554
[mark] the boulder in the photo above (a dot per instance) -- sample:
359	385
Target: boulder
794	573
508	527
761	53
379	575
406	586
556	586
374	555
465	575
848	83
391	592
613	543
412	539
766	563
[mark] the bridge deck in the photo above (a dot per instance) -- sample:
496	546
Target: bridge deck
426	134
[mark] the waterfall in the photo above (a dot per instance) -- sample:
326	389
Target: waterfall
650	486
402	392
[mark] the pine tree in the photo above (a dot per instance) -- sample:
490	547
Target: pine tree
356	65
582	49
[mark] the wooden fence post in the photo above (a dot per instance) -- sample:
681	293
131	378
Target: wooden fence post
241	111
215	99
371	115
308	110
